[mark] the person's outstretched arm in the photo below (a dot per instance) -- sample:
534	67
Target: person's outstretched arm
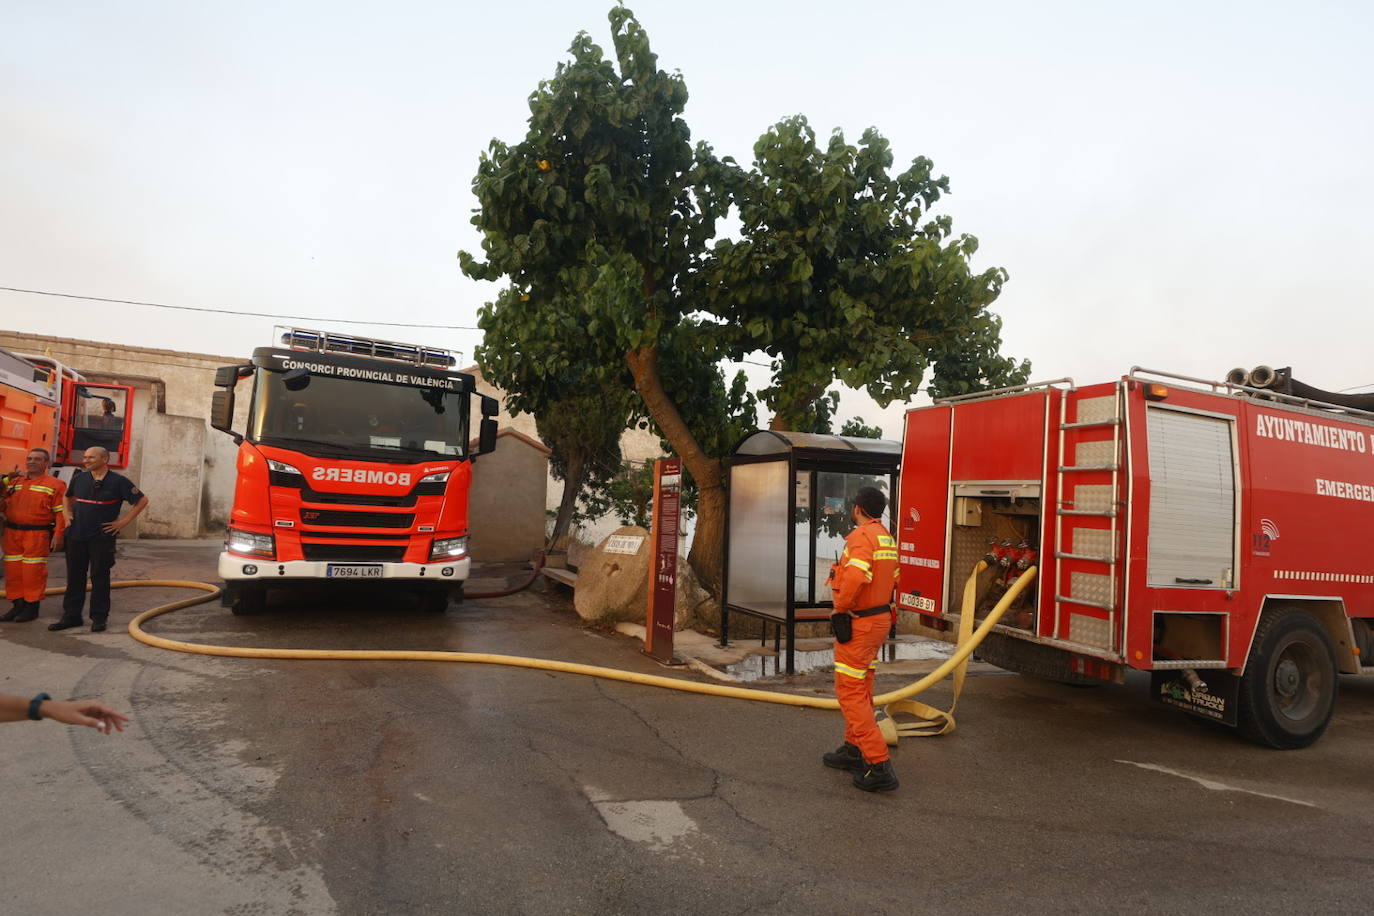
91	713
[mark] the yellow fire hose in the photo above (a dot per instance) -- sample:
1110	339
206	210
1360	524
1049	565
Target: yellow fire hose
931	721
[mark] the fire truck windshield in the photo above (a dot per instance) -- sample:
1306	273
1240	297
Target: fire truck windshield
349	416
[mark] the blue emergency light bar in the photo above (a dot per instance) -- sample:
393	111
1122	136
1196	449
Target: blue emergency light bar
325	342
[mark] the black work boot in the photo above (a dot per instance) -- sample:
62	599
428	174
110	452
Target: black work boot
14	611
844	757
30	612
876	777
66	623
98	626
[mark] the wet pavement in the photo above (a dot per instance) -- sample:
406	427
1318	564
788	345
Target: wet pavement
258	786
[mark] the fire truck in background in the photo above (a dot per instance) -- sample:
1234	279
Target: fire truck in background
45	404
1210	533
355	466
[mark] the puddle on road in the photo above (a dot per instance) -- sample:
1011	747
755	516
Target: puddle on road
757	667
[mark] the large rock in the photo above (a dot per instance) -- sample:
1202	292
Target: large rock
613	587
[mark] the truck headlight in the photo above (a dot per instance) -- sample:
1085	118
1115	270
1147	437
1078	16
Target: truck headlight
449	549
250	544
281	467
436	477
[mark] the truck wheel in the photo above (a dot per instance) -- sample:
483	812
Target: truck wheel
249	601
1289	687
434	600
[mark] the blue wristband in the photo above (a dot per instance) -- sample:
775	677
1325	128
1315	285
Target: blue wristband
34	704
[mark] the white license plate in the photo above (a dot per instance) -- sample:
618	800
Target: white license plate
353	571
918	602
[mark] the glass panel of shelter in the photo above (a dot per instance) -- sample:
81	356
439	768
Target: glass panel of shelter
821	523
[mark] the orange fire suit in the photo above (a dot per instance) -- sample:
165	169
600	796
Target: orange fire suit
863	580
33	515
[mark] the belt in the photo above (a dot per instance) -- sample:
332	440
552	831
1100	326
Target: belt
18	527
869	612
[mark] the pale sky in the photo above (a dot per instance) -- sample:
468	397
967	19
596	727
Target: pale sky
1183	186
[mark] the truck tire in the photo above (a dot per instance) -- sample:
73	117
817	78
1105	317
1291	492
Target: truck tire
1289	687
434	600
247	601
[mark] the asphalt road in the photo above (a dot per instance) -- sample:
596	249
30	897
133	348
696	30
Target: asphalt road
257	787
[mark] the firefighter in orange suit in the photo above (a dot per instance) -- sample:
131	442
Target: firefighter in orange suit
34	522
862	582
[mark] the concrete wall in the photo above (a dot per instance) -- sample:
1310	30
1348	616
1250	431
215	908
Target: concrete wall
171	477
506	508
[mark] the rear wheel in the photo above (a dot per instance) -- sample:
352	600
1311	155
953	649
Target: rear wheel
1289	688
249	600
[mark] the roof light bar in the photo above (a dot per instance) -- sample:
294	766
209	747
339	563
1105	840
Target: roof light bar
325	342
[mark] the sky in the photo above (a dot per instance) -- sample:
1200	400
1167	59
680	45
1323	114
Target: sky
1181	186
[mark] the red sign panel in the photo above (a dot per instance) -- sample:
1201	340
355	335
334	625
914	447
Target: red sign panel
658	628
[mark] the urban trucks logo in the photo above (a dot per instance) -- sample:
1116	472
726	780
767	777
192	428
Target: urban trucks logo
362	475
1214	698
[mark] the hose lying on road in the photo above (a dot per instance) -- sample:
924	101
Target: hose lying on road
934	721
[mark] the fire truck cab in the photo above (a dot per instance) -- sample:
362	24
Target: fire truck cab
46	404
1201	531
355	466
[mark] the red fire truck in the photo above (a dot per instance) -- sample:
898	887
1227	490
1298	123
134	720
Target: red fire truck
45	404
355	466
1210	533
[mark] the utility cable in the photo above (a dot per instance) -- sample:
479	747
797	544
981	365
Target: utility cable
192	308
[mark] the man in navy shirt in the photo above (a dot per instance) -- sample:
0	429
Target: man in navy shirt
94	500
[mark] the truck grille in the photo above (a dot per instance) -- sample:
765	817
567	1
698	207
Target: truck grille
360	553
341	518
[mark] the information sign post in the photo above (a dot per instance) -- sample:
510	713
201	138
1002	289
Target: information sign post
662	610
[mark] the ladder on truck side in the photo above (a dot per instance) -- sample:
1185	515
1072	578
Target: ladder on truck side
1089	519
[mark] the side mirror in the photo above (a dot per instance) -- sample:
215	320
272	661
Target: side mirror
486	437
228	376
222	412
490	406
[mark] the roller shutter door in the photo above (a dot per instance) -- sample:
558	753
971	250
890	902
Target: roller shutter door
1192	501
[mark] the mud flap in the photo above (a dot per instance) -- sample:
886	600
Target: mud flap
1216	695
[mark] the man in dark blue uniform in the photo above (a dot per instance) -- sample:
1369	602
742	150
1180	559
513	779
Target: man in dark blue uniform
94	501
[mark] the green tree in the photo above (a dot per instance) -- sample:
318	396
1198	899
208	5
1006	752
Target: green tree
606	189
600	220
858	429
841	273
536	356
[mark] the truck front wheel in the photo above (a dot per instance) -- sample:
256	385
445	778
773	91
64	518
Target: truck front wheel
249	600
1289	688
434	600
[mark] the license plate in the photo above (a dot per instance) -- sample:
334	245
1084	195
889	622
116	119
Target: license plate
917	602
353	571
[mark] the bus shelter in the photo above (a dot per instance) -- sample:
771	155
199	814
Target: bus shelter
787	517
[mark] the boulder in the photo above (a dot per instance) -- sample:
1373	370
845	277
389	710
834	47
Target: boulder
612	587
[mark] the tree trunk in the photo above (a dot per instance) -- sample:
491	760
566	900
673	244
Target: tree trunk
708	545
573	480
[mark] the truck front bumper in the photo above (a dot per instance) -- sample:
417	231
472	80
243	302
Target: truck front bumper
235	569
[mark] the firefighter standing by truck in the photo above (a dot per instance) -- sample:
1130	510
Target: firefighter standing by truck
95	497
34	523
862	582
